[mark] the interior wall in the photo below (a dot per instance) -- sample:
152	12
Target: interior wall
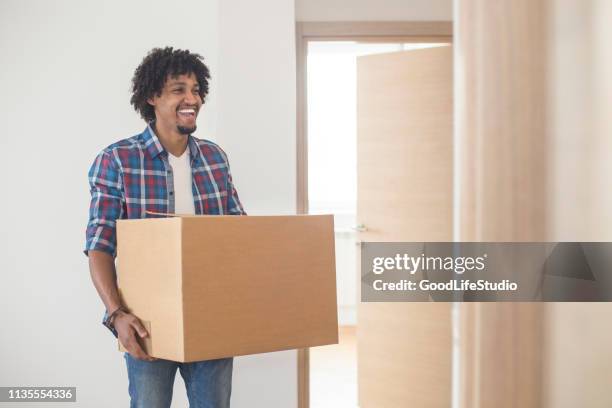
371	10
257	101
65	80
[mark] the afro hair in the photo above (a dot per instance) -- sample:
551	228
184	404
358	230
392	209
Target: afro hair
155	69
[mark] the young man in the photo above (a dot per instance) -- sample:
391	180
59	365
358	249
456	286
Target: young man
165	170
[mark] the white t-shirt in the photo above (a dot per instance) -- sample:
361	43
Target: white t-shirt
183	194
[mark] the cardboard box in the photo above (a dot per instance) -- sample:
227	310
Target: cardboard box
208	287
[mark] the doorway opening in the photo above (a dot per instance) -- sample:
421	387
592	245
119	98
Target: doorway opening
331	112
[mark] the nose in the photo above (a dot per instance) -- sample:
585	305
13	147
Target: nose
192	99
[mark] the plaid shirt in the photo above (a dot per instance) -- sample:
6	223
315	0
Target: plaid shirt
134	176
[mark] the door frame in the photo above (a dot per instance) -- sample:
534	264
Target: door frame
390	31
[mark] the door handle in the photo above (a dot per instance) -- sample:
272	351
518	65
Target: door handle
360	228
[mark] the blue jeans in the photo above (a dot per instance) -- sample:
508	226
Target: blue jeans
208	383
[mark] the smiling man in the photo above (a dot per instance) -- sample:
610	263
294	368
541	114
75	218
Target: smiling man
164	169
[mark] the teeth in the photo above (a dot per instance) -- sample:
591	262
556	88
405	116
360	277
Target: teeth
187	111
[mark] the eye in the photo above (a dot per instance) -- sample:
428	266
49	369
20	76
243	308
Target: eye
177	91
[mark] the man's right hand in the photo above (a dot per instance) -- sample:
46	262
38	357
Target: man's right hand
128	328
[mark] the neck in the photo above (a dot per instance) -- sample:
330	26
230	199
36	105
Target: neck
174	142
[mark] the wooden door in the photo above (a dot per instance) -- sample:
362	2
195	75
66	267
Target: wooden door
405	164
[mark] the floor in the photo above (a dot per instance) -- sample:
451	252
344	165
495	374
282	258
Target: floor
333	372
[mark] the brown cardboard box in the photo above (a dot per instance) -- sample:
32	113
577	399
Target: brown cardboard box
217	286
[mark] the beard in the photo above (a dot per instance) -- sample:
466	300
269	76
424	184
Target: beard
184	130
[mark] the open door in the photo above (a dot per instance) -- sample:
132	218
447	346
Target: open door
404	170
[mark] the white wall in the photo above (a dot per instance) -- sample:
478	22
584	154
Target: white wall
257	103
65	84
373	10
577	355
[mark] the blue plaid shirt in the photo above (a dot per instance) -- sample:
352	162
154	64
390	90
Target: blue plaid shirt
133	176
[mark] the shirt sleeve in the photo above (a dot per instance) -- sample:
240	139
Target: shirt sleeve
234	207
107	204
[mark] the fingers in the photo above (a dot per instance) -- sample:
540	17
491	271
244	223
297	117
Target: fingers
142	332
137	352
135	349
130	330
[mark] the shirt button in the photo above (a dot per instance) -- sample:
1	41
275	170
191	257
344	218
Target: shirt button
172	193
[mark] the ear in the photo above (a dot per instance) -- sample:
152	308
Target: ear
151	101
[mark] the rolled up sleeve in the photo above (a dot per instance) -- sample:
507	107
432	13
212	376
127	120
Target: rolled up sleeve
107	204
234	207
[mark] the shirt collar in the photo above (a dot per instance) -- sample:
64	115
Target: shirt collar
155	148
194	149
151	142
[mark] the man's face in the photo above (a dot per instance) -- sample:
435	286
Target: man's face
178	105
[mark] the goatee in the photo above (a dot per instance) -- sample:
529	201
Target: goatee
186	130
